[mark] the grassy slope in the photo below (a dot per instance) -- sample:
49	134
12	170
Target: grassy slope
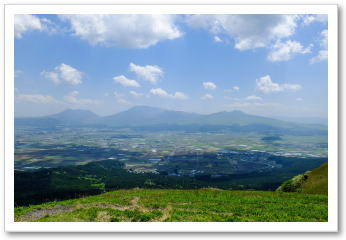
312	182
317	181
182	205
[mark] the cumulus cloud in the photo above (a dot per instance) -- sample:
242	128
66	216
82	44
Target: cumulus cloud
26	22
207	97
217	39
36	98
180	96
253	98
235	88
125	81
53	76
310	18
120	98
162	93
293	87
72	98
323	52
266	85
159	92
209	85
150	73
136	94
284	51
249	31
123	30
64	74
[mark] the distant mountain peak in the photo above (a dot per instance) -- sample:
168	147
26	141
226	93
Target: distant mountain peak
70	110
238	112
145	107
75	112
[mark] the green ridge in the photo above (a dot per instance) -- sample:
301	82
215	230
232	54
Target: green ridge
312	182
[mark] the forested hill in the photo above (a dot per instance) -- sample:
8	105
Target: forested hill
43	185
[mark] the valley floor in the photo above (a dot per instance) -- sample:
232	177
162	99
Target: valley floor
202	205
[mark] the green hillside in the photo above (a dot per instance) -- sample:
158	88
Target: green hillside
313	182
317	181
207	205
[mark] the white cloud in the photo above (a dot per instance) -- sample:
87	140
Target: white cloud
120	98
36	98
136	94
249	31
124	30
24	23
217	39
207	97
53	76
310	18
253	98
180	96
70	74
125	81
284	51
64	74
162	93
266	85
323	52
293	87
209	85
150	73
72	98
233	89
321	56
299	99
236	88
159	92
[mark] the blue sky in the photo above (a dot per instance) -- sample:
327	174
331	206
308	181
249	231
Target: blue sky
271	65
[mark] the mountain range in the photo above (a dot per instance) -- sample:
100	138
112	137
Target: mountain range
152	118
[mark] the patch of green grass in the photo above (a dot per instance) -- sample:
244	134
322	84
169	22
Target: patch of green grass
201	205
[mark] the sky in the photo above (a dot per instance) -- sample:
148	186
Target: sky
269	65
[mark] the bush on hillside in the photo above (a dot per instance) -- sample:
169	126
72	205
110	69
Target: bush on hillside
295	184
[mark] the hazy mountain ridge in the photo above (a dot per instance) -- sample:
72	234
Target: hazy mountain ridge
144	115
162	119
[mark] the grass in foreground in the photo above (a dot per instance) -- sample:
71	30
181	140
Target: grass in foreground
203	205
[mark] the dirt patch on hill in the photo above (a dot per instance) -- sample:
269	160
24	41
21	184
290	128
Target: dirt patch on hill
36	214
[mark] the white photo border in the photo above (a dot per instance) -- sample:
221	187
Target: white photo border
330	226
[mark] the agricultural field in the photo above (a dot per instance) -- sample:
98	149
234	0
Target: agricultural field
145	151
